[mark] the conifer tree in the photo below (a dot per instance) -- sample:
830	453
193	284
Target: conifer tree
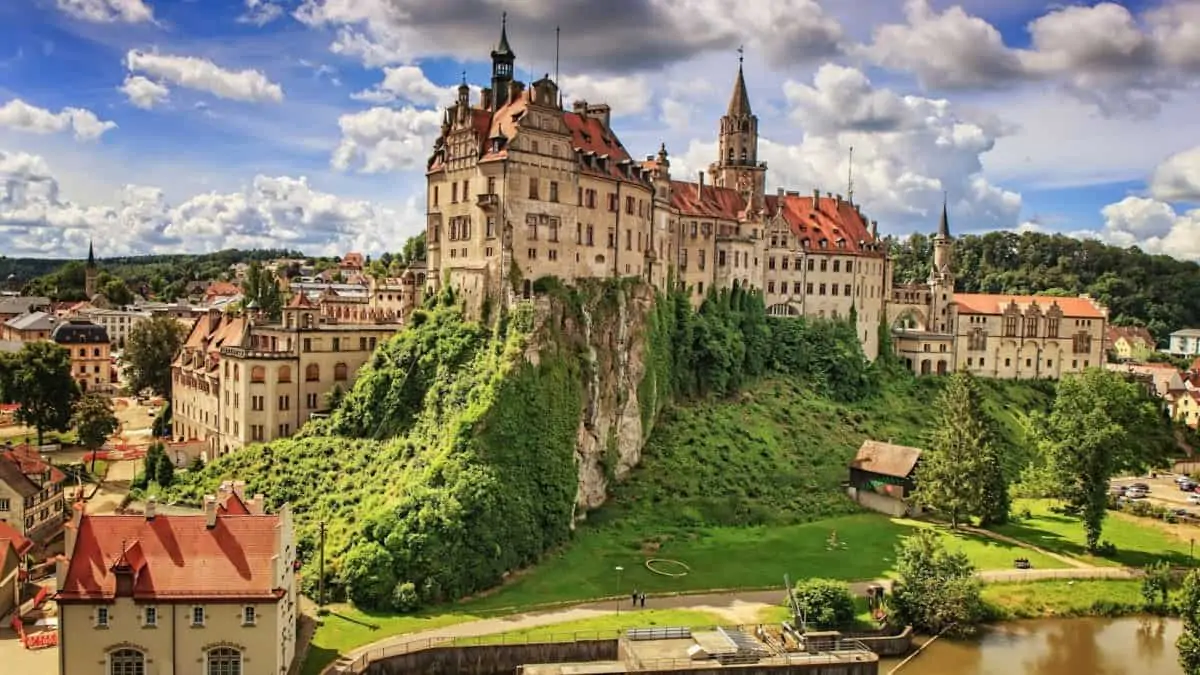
957	462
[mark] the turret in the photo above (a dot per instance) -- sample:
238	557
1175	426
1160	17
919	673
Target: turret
737	166
502	67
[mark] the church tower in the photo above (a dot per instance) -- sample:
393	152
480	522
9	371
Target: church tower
941	276
90	274
737	166
502	66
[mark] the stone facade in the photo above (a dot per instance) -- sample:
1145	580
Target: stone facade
520	187
239	382
937	331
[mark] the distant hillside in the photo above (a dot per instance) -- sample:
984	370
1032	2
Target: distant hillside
1156	291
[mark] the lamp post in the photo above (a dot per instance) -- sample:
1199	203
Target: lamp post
619	598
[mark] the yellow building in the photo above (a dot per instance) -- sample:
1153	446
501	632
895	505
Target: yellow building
520	187
238	382
936	330
159	594
91	359
1129	343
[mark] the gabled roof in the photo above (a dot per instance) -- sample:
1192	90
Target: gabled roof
18	541
33	321
827	218
30	463
175	557
1131	334
707	202
995	305
22	304
12	476
886	459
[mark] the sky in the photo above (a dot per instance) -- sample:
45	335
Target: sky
196	125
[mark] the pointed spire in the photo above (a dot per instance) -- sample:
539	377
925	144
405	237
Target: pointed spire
91	261
739	101
503	47
944	225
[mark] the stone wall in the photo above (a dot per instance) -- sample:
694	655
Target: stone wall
493	659
881	503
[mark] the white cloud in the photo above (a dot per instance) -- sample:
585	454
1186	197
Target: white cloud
627	95
143	93
381	139
407	83
907	151
107	11
204	75
260	12
269	212
19	115
1178	178
677	115
1153	226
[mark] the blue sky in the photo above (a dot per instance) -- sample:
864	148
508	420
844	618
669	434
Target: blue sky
195	125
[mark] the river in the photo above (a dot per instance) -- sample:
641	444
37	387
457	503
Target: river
1091	646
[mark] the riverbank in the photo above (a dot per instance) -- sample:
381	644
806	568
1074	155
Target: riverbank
1074	598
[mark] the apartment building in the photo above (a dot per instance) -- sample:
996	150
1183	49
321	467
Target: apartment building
32	497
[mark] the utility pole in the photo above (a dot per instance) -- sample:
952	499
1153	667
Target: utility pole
321	578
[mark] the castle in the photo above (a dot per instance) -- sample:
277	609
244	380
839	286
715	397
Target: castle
519	187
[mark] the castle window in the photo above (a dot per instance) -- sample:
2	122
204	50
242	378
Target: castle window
454	193
533	188
1031	326
833	289
590	232
824	263
837	265
821	289
847	290
783	263
552	254
700	263
578	233
590	195
531	223
312	373
612	237
491	185
613	204
629	201
770	286
796	288
435	195
1010	325
808	288
532	253
533	147
771	263
340	371
1052	327
491	227
810	263
1082	343
466	189
552	223
554	191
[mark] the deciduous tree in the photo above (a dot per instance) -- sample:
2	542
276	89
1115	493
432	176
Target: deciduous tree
1095	430
152	346
43	387
1188	643
936	590
262	287
94	422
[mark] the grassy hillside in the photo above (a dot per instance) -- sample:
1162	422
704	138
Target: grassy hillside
776	452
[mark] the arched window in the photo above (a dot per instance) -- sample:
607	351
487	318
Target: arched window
237	373
126	662
340	372
258	374
312	373
285	374
224	661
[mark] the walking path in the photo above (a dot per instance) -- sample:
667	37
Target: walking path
741	607
1026	545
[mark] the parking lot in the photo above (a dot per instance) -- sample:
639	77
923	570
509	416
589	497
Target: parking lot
1163	491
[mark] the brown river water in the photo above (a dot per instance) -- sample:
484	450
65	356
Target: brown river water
1127	646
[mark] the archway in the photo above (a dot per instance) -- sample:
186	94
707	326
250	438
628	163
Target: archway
925	369
941	367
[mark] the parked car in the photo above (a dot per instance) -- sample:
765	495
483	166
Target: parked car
1134	493
1187	486
1183	477
1141	486
1193	499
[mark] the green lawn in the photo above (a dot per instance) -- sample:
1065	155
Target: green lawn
732	558
346	628
1139	542
1039	599
604	626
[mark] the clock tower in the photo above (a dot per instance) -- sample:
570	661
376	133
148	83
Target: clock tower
737	166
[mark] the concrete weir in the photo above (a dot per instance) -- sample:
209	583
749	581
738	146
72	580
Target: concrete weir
657	651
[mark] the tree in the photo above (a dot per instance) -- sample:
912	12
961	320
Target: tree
151	348
150	465
94	422
995	503
262	287
826	604
8	373
414	249
43	387
936	589
1096	428
960	465
1188	643
1156	583
164	472
117	292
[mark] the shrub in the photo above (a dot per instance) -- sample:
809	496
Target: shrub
405	598
826	604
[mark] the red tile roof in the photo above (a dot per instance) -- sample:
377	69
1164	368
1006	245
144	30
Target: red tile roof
221	289
1076	308
10	534
174	557
30	463
1131	334
299	301
710	202
832	220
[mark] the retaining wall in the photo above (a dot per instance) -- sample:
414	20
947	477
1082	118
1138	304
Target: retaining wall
496	659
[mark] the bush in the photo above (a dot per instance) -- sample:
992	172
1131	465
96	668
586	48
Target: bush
405	598
825	604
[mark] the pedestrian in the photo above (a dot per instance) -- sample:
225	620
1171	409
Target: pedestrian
634	597
643	598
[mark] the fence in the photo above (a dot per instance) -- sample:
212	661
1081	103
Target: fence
359	665
999	576
843	651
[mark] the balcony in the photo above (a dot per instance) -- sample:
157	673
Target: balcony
487	200
244	353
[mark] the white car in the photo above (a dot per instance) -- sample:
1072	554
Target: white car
1193	499
1134	493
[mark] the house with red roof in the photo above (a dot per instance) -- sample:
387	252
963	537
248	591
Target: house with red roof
1129	343
213	592
13	549
32	496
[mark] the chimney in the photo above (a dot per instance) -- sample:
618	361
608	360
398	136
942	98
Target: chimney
816	198
210	511
779	193
257	505
580	108
839	200
700	185
151	507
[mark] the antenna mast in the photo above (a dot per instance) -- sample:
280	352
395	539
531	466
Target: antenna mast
850	177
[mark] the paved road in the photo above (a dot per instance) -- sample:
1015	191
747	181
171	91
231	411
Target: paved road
1163	491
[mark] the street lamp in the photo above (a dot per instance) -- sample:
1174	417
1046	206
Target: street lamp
619	597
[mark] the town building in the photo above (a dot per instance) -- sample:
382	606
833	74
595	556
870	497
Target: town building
239	379
13	549
91	357
118	322
519	188
29	327
883	476
936	330
12	306
1129	343
1185	342
32	498
209	593
382	300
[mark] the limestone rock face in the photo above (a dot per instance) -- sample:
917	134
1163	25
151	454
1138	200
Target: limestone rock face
610	330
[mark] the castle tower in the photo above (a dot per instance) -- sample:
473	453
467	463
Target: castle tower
502	66
941	276
90	273
737	166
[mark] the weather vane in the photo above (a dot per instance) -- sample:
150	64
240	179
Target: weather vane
741	54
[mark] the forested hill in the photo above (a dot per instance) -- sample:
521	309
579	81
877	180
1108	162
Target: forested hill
1157	291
